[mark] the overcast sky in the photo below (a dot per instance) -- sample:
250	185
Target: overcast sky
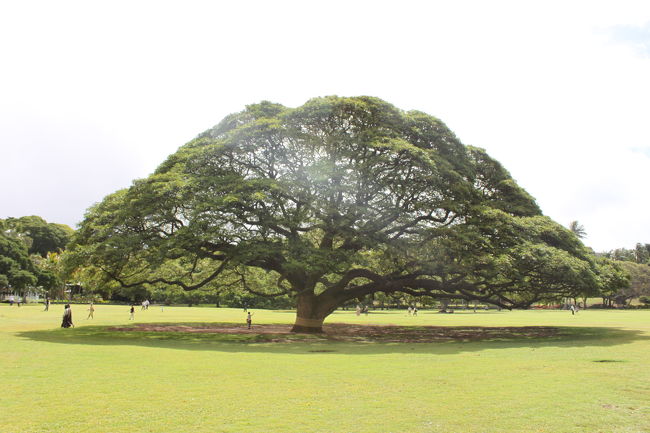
95	94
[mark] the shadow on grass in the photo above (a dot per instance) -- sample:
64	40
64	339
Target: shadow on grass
341	338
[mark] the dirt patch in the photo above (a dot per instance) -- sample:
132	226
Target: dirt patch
354	332
216	328
426	334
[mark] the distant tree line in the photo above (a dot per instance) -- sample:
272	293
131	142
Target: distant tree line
640	254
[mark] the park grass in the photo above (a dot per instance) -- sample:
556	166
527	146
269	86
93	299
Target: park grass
593	376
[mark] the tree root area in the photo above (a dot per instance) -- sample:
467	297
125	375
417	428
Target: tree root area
355	332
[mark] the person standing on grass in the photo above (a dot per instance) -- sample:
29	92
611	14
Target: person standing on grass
415	311
47	304
132	311
67	317
91	311
573	309
249	319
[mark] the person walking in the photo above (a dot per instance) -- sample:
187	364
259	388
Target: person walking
249	319
91	311
67	317
132	311
47	304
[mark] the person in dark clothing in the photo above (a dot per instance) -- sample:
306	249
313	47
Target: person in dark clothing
67	317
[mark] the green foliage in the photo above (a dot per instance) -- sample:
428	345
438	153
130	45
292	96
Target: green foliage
635	265
16	269
613	278
43	237
639	282
640	254
29	249
330	202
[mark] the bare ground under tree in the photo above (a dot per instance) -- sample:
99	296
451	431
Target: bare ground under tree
355	332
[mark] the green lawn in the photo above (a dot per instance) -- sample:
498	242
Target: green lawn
594	377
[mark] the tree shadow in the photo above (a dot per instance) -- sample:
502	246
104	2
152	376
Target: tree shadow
339	338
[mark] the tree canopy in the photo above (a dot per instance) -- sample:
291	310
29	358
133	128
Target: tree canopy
332	201
40	236
25	246
16	269
639	282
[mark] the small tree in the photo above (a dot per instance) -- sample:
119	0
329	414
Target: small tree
612	279
639	282
577	229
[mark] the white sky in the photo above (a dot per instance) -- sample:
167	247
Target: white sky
96	94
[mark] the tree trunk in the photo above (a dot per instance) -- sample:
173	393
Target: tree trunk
311	311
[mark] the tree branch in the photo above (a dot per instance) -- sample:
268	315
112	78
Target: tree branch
179	283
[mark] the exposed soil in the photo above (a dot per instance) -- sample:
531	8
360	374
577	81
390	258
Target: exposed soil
354	332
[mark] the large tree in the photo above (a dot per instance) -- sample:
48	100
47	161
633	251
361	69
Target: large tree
333	201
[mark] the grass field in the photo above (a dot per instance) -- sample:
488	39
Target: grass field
592	377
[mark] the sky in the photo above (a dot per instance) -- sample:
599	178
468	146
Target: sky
96	94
